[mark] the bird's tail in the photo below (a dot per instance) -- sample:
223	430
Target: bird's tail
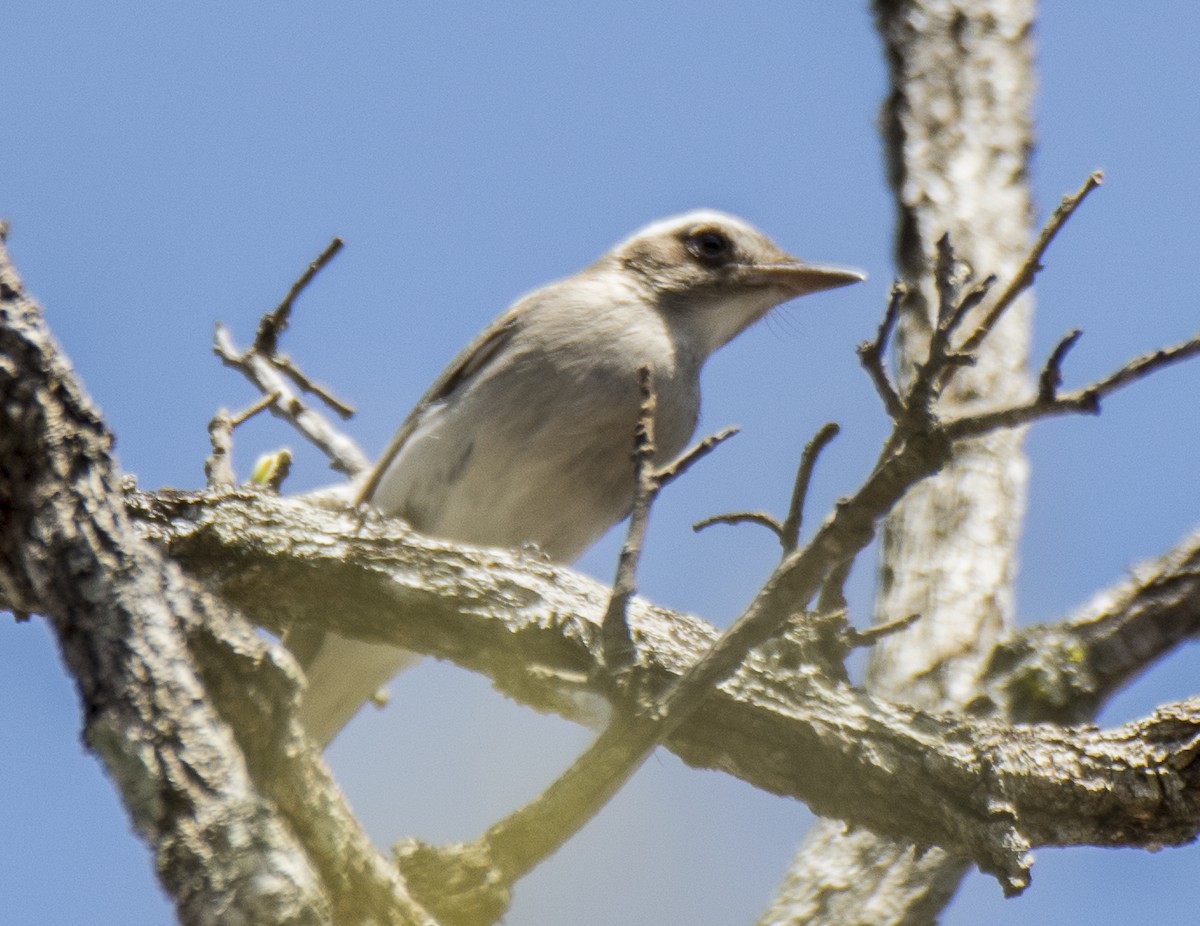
343	674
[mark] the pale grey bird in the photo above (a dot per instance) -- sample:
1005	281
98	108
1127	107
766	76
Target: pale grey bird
526	437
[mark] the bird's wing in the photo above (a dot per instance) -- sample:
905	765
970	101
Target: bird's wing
343	672
461	370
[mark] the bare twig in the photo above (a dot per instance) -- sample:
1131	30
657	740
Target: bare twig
693	455
307	384
973	297
1051	377
872	635
344	454
253	409
872	354
276	374
761	518
218	467
648	481
789	531
1086	399
950	274
275	322
1033	261
618	644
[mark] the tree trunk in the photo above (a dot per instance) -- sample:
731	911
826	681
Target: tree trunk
958	132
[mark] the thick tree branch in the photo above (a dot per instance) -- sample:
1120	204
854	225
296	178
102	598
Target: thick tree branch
977	787
191	712
1065	671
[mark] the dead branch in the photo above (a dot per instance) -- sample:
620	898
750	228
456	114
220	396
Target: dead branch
218	468
276	374
274	323
932	778
1032	264
222	786
920	445
873	354
787	531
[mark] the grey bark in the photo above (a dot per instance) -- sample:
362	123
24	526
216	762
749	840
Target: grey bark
194	714
939	778
190	712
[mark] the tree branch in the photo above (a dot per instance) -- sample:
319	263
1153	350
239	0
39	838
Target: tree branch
274	374
191	712
977	787
1032	264
1065	671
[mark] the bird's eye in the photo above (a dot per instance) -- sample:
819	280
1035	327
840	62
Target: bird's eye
710	246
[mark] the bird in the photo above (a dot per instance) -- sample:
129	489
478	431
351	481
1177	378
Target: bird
526	437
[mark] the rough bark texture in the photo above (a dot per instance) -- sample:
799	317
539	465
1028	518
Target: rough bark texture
187	708
978	785
958	129
194	714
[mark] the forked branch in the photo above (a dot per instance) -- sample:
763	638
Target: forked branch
275	374
920	444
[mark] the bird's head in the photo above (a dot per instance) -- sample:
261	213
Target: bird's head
713	274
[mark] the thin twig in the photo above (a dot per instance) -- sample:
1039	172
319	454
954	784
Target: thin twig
760	518
948	274
1051	377
218	465
1086	399
872	635
618	643
941	360
1033	261
344	409
275	322
649	481
789	531
253	409
277	375
872	354
693	455
969	301
1145	364
344	454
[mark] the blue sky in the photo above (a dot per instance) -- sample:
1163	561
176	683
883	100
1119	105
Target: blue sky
165	166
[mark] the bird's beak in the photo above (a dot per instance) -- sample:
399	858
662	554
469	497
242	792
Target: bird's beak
798	278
